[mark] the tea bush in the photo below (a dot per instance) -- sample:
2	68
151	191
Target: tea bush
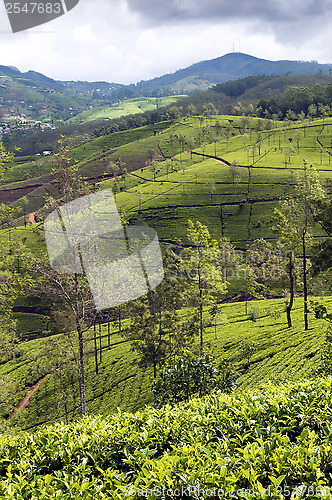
269	443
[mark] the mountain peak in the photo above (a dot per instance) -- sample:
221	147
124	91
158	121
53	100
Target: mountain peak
230	66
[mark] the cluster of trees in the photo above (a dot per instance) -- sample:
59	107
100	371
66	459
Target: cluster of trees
296	258
194	278
235	88
297	102
191	374
208	264
294	220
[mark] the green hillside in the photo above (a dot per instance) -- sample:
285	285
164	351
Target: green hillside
282	354
231	184
42	101
124	108
274	151
197	185
229	172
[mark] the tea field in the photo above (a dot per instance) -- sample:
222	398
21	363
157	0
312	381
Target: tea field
281	354
273	442
227	172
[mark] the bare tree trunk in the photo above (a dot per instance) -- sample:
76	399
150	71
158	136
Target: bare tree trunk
82	374
248	186
64	395
154	381
221	223
120	325
305	286
200	307
95	340
291	289
81	351
246	309
100	346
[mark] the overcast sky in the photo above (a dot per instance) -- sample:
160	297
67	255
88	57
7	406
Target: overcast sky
125	41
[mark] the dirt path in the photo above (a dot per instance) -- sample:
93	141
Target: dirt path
32	218
24	403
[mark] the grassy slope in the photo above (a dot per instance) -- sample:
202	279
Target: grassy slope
281	354
181	188
167	203
272	170
124	108
92	157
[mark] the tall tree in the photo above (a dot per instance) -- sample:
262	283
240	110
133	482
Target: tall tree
71	293
72	289
10	278
294	221
203	267
7	216
9	286
214	311
265	265
57	357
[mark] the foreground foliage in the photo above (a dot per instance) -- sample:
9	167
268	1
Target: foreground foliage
268	443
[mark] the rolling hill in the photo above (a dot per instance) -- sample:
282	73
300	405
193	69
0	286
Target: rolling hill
51	99
178	170
230	67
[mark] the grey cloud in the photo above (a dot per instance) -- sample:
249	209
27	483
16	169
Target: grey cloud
265	10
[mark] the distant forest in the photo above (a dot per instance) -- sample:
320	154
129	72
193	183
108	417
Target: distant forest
235	88
315	101
265	96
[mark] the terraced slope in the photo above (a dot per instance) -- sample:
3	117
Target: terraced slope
281	354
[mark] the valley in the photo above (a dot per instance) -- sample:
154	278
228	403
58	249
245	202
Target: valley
164	186
219	168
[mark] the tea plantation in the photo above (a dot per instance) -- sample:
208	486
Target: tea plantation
281	354
271	437
273	442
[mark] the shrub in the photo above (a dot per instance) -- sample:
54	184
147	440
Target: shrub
190	375
254	315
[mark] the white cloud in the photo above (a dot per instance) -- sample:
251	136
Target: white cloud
128	40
